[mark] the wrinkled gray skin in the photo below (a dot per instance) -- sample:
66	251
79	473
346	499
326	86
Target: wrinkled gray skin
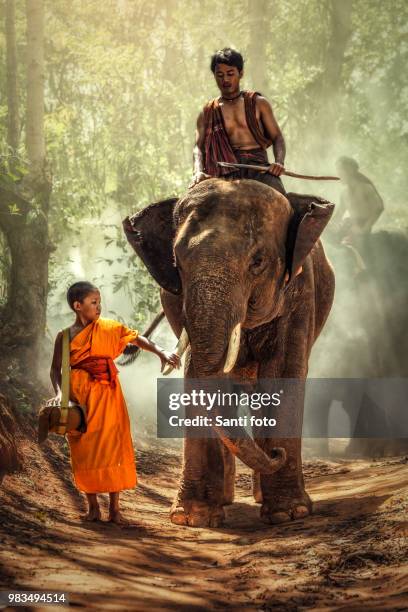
231	254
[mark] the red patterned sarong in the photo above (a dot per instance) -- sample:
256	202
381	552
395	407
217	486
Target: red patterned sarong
217	145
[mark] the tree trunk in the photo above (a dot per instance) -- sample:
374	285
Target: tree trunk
258	34
327	91
24	316
332	83
35	85
13	120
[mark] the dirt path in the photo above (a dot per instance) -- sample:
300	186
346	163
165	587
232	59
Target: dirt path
351	555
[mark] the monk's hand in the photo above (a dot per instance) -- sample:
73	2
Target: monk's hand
169	358
197	178
276	169
54	401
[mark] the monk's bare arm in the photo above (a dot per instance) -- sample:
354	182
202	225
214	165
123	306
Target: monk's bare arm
274	132
55	372
198	153
152	347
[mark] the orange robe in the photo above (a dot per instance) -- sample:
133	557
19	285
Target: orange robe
102	459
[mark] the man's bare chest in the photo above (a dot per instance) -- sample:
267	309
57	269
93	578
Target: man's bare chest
234	115
238	125
357	198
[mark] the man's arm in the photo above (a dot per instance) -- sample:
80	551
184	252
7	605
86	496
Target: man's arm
273	130
375	208
340	209
198	153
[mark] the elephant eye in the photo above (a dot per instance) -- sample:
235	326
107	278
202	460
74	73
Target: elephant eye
257	262
257	259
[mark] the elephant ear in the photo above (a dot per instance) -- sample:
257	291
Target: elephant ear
311	215
151	233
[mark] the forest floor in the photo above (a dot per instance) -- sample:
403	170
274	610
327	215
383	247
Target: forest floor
350	555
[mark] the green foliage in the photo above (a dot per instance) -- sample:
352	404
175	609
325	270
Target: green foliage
12	169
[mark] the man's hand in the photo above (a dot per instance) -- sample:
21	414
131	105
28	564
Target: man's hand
276	169
197	178
169	358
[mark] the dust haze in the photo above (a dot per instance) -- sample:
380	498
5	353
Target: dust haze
341	90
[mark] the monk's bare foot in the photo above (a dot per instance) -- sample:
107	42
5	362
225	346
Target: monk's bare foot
93	514
117	518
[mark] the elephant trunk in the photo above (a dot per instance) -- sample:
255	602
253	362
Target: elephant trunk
211	315
246	449
214	331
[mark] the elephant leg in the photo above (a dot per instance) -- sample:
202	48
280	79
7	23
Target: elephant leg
203	492
256	487
229	475
284	497
283	494
220	478
371	418
200	496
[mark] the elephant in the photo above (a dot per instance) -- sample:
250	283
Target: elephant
368	323
227	257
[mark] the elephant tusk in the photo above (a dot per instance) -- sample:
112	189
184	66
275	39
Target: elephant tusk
180	349
233	348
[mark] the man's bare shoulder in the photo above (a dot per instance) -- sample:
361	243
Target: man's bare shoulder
263	103
367	190
200	118
203	110
210	102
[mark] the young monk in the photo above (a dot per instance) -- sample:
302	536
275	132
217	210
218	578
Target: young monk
102	459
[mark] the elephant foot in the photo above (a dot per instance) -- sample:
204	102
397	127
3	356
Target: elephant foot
282	510
193	513
228	495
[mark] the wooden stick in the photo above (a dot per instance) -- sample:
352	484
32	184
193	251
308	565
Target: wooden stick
286	172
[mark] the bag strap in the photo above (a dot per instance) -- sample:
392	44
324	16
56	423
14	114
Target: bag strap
65	368
62	426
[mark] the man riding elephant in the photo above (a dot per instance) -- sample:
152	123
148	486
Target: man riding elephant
227	257
237	127
360	203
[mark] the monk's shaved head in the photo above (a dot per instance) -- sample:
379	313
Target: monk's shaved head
78	292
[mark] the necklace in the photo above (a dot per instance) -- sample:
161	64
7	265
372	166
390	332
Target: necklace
231	99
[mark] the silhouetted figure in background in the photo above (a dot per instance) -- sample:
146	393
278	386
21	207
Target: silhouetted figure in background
360	204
